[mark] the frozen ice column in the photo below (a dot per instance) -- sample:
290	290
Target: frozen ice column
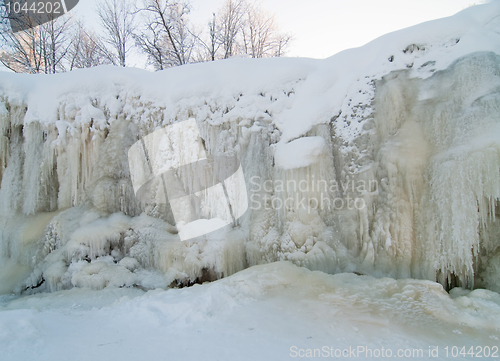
205	192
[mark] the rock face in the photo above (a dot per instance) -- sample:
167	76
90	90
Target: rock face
390	170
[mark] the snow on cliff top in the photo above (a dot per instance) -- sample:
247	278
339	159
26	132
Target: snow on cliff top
321	89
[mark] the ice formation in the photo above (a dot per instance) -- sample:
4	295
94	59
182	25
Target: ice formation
384	160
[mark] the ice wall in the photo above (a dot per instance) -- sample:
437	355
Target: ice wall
383	160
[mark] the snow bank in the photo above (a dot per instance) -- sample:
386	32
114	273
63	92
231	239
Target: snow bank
299	153
259	313
383	160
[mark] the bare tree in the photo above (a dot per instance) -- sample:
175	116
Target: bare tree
4	19
282	43
230	25
87	50
243	27
38	48
166	38
21	52
210	47
56	42
261	36
151	42
117	18
214	36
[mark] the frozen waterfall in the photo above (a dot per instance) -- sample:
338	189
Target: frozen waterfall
382	160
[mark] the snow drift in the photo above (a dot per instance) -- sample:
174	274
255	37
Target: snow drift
384	160
258	313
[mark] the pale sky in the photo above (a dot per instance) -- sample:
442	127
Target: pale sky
322	28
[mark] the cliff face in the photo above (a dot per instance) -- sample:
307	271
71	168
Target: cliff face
383	160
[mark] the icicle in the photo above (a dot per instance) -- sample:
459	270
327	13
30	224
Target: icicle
4	140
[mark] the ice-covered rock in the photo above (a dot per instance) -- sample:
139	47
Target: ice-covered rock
383	160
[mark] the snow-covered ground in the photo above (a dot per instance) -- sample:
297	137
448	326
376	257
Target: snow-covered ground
270	312
406	127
